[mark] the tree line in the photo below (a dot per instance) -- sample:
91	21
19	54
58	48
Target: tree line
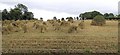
92	14
20	12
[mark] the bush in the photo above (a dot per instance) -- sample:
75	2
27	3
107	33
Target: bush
98	21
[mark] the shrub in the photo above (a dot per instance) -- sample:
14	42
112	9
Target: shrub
98	20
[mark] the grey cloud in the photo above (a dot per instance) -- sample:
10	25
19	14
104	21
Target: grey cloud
68	7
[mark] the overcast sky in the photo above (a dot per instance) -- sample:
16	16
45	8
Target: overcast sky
63	8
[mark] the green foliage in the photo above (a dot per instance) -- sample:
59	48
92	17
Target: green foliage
22	7
98	20
62	19
118	16
15	14
87	50
5	14
70	19
28	16
89	14
20	12
106	15
77	18
41	18
54	18
109	16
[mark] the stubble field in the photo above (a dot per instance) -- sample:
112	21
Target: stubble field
93	39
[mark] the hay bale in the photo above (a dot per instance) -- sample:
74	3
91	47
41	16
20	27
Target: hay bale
15	24
58	21
72	29
56	26
5	30
8	29
44	23
64	23
18	23
81	25
98	21
35	25
51	21
6	22
25	28
42	28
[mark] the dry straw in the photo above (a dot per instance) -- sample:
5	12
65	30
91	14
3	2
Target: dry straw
72	29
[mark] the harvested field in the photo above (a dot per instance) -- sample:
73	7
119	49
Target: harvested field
93	39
